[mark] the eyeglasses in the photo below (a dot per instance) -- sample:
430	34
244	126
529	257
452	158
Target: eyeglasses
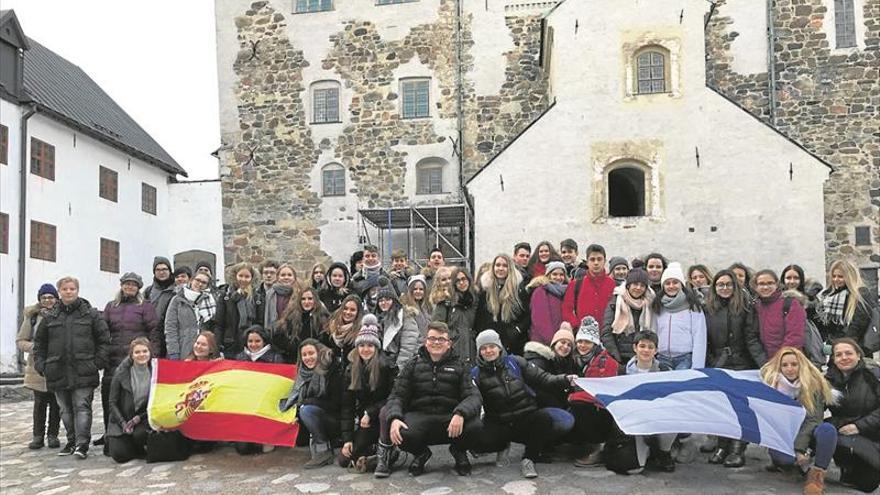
200	281
723	286
437	340
47	298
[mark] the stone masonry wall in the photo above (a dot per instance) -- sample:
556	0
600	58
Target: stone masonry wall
269	209
828	101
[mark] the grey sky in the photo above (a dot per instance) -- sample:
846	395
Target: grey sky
157	59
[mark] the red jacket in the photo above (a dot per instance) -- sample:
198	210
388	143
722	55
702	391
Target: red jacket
594	295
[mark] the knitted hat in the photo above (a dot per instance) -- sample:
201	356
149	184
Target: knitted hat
637	276
132	277
204	264
161	260
554	265
589	330
47	289
615	261
564	332
487	337
369	332
386	290
417	278
672	271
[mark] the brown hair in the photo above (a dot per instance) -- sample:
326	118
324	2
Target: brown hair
358	367
213	349
139	341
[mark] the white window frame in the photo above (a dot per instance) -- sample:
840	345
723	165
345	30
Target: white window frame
318	93
404	95
312	6
334	191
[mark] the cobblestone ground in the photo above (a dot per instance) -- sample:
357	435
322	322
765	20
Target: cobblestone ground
41	472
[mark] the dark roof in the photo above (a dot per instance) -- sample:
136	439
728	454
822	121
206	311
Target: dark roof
16	37
64	92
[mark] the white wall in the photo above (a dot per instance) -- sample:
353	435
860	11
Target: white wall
10	116
195	220
742	186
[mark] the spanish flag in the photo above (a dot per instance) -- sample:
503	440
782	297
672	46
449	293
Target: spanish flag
234	401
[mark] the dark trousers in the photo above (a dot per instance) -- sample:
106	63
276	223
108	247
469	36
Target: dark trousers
592	424
424	430
127	447
76	413
42	402
105	396
364	441
856	456
323	425
535	430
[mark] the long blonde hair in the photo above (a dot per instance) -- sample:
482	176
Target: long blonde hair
506	300
438	292
853	281
811	379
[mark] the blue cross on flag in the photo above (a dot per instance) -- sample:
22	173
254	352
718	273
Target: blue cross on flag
732	404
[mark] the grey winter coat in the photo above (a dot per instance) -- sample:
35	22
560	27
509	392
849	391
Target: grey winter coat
181	327
401	340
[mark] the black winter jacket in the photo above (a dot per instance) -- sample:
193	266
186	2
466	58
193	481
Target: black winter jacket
727	334
270	357
71	344
506	397
459	317
859	403
331	400
122	401
160	299
357	402
619	345
542	357
287	344
515	333
860	321
229	328
442	388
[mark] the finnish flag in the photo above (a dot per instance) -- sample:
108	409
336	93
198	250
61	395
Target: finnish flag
732	404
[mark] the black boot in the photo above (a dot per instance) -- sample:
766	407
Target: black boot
462	464
663	461
417	466
711	444
383	467
720	452
736	458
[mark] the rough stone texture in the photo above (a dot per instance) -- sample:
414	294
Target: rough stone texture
826	100
269	210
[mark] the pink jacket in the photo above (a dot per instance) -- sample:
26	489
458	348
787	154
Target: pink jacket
773	331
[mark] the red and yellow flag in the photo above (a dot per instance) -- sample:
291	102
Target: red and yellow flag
233	401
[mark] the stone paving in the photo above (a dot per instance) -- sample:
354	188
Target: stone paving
41	472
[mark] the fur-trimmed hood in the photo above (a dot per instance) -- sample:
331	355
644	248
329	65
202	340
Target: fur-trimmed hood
538	348
795	294
30	311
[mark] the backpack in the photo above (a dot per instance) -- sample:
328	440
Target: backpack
619	453
813	343
512	368
601	366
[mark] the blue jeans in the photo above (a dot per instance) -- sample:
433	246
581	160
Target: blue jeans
824	440
563	422
680	362
76	414
322	425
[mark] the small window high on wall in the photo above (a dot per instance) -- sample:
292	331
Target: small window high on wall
429	176
333	180
844	23
651	71
626	192
325	102
303	6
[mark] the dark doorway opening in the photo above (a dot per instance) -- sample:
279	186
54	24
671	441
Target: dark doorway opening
626	192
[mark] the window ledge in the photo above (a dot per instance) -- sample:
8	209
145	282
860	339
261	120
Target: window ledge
328	122
442	193
313	11
415	118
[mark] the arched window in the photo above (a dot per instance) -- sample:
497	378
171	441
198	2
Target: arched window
626	192
652	70
325	102
429	176
333	180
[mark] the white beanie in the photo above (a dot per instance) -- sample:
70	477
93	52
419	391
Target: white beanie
672	271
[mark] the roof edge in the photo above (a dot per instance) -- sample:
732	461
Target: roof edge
509	143
774	128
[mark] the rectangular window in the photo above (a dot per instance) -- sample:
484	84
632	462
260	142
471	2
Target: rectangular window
148	198
4	233
109	256
303	6
415	98
42	159
108	184
430	180
651	75
863	236
326	105
334	181
4	144
844	23
43	241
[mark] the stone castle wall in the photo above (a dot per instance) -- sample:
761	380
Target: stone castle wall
826	99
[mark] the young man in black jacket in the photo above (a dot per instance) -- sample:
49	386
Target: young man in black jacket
434	401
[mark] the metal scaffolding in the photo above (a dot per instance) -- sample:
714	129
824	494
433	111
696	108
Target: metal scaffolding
428	218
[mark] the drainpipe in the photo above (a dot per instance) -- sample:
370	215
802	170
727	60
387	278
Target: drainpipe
460	97
771	59
23	170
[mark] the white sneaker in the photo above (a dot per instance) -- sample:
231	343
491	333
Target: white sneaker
528	469
268	448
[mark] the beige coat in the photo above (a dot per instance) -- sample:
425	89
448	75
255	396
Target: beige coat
25	342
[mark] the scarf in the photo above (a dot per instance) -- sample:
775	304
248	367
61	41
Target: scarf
833	306
162	284
792	390
254	356
676	303
274	293
465	299
247	312
557	290
205	307
140	385
342	335
623	320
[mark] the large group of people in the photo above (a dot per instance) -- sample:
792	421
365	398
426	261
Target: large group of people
393	359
